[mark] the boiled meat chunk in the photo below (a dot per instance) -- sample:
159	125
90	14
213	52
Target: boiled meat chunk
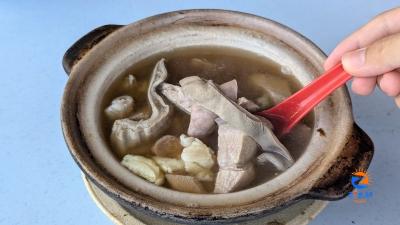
175	95
235	148
230	89
248	104
277	87
127	133
233	179
236	151
211	98
120	108
201	122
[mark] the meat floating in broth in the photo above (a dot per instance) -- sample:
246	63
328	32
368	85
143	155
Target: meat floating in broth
185	121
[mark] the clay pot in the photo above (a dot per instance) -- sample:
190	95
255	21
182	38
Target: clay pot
337	147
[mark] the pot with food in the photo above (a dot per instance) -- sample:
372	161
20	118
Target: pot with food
160	115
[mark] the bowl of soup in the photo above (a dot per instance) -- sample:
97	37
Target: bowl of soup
159	114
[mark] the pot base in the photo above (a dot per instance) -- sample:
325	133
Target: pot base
298	214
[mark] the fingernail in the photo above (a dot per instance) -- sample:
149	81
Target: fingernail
397	100
354	59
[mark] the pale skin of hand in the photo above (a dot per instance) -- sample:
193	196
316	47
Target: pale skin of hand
372	55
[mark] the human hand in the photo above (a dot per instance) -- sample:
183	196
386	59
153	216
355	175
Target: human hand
372	55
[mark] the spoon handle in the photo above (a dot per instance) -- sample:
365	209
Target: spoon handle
289	112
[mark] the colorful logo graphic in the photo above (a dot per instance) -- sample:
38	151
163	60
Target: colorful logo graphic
360	181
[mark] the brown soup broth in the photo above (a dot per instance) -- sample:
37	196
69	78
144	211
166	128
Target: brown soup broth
224	64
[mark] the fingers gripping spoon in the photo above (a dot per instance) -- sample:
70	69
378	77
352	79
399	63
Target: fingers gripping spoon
289	112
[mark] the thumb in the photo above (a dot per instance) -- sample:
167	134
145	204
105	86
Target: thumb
380	57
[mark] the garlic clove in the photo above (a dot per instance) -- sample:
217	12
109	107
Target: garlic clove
185	140
201	173
169	165
144	167
199	153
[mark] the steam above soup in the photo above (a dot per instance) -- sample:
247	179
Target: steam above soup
186	122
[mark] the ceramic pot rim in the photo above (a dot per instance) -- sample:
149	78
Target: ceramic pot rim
338	103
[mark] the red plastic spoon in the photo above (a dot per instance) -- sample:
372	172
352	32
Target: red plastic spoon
289	112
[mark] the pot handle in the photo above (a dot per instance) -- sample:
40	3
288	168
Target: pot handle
84	44
336	183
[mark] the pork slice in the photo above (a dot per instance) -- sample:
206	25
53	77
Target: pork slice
211	98
230	89
248	104
126	134
233	179
201	122
252	107
175	95
235	148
